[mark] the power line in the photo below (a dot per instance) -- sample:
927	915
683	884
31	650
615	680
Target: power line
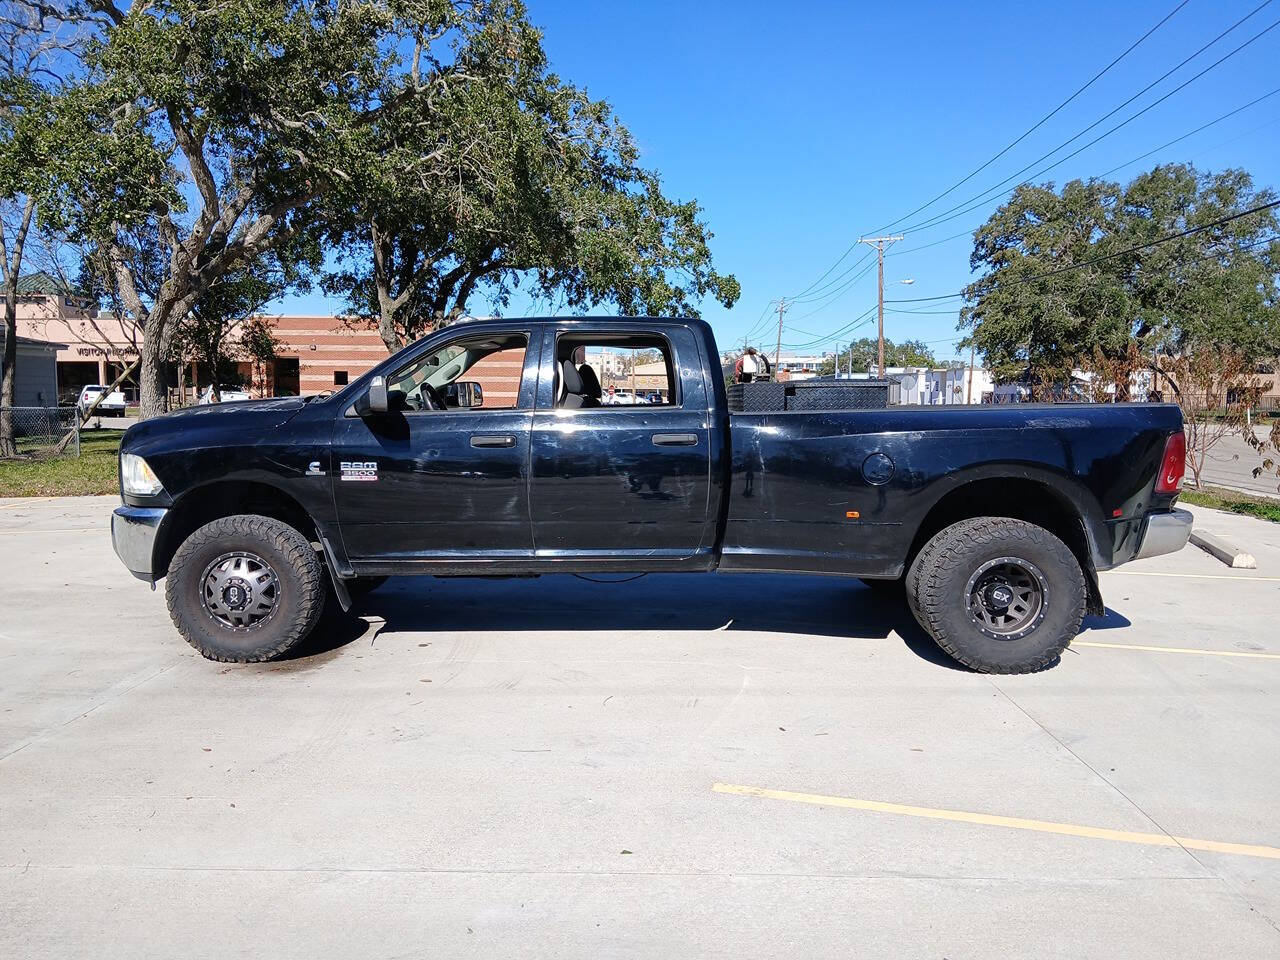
1028	132
1111	256
836	292
1039	123
758	327
1057	163
1120	166
818	293
990	191
1204	126
858	321
835	295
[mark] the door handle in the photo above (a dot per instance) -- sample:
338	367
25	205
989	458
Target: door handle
675	439
493	440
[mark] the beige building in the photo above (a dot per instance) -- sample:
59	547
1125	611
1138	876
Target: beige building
93	347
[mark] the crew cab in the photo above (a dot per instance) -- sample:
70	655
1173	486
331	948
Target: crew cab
485	450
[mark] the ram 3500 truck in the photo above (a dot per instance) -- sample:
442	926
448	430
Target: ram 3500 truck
994	519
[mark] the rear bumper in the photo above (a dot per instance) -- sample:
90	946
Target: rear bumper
133	534
1165	533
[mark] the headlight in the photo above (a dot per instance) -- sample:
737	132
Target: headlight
137	478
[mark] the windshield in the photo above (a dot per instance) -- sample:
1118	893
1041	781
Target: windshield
437	368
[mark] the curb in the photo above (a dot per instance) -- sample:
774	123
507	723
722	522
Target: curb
1224	550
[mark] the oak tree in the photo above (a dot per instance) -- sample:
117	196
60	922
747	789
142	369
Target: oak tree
513	180
230	129
1096	274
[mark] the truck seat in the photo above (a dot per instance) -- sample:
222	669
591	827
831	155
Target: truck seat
572	393
590	386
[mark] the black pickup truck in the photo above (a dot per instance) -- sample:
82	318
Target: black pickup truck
489	449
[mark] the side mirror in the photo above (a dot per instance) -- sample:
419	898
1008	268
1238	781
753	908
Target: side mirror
376	398
466	394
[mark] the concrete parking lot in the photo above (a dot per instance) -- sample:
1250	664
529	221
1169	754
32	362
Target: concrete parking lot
668	767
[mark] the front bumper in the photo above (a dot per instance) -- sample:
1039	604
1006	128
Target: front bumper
133	534
1165	533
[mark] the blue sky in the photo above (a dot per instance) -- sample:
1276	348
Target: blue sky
800	127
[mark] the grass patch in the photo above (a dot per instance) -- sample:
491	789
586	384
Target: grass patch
93	472
1233	501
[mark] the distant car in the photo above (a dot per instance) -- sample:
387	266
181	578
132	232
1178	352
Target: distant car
619	397
112	404
225	395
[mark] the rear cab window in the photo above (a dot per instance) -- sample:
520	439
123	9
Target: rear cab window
600	370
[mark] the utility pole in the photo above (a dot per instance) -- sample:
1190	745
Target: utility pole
777	351
879	243
968	393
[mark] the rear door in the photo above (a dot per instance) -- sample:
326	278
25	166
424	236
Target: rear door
447	485
615	483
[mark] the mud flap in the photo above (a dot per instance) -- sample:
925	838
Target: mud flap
1093	604
339	585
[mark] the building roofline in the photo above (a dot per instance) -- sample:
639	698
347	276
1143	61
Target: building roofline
32	342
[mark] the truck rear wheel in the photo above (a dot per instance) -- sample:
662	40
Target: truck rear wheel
997	594
245	588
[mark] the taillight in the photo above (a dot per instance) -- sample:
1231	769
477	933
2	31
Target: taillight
1173	464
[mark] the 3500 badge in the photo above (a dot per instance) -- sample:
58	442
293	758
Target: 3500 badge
359	469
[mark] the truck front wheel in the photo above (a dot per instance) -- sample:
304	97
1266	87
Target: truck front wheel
245	588
997	594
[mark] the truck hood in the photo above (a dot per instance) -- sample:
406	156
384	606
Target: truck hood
240	422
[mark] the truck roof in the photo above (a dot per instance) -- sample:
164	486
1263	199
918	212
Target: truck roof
593	320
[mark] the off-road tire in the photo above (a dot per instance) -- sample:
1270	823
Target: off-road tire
302	582
938	592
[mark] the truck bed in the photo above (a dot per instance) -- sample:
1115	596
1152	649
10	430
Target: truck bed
846	492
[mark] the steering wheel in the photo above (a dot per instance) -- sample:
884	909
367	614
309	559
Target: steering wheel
427	397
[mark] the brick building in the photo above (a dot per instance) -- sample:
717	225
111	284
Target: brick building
314	354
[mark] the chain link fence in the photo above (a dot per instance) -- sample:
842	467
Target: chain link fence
37	431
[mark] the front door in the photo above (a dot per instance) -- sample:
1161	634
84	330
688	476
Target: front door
620	462
434	481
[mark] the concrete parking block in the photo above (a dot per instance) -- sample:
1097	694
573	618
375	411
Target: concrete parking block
1223	549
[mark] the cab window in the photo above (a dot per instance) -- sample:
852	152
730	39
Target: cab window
614	370
482	372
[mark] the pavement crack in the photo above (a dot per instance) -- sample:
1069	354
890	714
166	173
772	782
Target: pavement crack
109	697
1209	871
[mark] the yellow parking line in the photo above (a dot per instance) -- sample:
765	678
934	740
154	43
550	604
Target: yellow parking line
1016	823
23	502
1188	576
1206	652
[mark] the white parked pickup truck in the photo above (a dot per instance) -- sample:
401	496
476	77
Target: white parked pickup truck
225	395
112	404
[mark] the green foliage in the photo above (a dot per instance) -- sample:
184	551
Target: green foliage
221	326
865	352
1216	286
425	138
512	179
